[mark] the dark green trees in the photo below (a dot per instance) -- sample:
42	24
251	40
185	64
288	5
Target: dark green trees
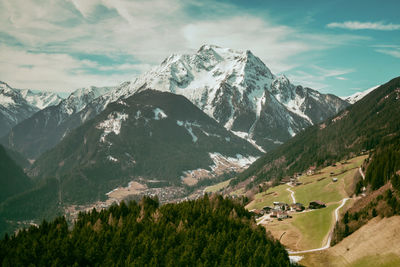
206	232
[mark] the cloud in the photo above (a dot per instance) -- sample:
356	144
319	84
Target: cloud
317	76
393	53
357	25
53	72
53	35
391	50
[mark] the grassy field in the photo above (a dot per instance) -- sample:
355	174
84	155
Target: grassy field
314	226
310	230
388	260
321	187
306	230
316	187
365	247
217	187
278	193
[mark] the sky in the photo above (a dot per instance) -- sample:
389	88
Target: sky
338	47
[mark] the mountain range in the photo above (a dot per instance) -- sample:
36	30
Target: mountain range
239	91
235	88
47	127
17	105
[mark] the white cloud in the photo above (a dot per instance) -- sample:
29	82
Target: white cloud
270	42
391	52
357	25
317	79
52	72
145	30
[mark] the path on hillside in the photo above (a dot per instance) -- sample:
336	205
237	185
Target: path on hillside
363	176
328	243
361	172
291	194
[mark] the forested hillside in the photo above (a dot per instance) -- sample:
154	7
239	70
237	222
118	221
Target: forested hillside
360	127
12	179
205	232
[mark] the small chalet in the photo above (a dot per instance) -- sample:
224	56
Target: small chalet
297	207
279	214
316	205
274	213
311	171
281	206
334	179
282	215
267	209
258	213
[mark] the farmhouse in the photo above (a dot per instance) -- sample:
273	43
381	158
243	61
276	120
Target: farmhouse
297	207
311	171
281	206
279	214
282	215
267	209
258	213
316	205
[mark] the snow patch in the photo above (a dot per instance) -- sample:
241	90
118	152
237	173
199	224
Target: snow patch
247	137
111	158
239	160
112	124
159	114
188	127
6	101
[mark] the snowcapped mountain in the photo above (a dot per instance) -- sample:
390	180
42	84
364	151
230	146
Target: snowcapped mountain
17	105
41	100
233	87
239	91
358	95
14	108
152	137
48	126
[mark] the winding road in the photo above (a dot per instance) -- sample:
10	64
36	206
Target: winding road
291	194
328	243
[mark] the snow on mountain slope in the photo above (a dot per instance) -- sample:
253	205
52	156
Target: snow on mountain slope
41	100
48	126
239	91
78	99
17	105
13	108
149	136
358	95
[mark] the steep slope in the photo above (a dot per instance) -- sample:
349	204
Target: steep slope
151	136
361	126
47	127
13	108
237	90
12	178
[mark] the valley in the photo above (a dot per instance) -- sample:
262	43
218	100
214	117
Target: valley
199	133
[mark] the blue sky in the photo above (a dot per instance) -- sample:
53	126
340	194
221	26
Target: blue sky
336	47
